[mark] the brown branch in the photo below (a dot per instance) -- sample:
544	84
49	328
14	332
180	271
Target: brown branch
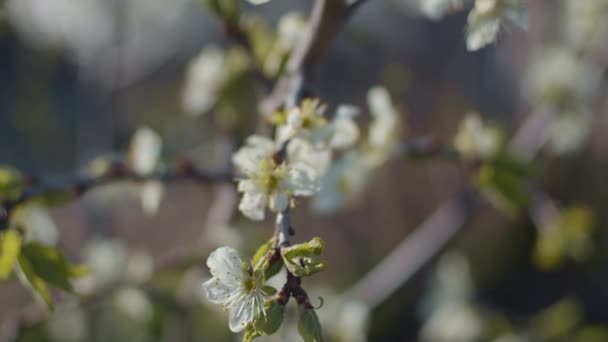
34	187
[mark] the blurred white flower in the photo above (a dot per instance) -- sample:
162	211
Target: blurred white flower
146	147
558	77
437	9
568	131
486	17
140	266
450	316
585	22
40	226
68	323
268	183
151	195
345	130
345	179
354	321
234	288
453	323
475	140
383	136
107	261
134	302
204	79
291	28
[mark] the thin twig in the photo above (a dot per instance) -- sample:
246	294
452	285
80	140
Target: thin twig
34	187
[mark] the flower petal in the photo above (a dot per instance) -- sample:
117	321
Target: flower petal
253	205
245	311
225	264
218	292
302	180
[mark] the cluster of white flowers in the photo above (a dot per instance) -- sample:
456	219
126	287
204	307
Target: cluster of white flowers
272	177
268	182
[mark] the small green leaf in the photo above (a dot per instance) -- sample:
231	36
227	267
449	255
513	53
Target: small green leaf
10	247
309	326
32	281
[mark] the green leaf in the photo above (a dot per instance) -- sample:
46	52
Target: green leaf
49	264
32	281
271	322
309	326
10	247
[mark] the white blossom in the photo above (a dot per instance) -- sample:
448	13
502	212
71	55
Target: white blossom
267	183
234	287
476	140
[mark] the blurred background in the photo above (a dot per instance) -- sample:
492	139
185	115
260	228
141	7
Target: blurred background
79	78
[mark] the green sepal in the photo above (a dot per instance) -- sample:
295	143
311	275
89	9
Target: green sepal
261	252
303	259
262	263
309	326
